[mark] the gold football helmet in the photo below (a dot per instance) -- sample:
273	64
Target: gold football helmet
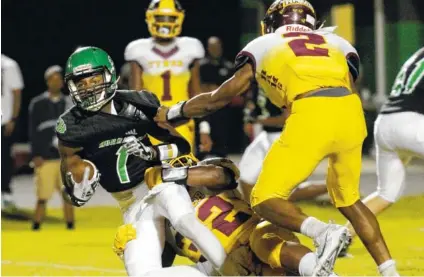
185	160
165	18
287	12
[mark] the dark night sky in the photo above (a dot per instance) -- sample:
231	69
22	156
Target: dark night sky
41	33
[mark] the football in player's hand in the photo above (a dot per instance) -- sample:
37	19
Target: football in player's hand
78	169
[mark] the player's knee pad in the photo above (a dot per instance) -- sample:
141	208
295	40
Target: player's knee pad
267	240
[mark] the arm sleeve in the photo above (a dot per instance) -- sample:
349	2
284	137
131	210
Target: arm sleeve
353	62
243	58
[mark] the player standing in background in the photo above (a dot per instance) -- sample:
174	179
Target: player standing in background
313	73
44	110
399	133
11	88
215	69
259	110
166	64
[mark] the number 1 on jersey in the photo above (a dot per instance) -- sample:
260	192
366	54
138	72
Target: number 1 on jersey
121	165
166	77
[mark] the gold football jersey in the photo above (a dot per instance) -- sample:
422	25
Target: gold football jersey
288	64
166	69
230	220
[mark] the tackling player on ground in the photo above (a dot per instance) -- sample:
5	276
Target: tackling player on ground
254	247
103	140
399	133
312	73
166	64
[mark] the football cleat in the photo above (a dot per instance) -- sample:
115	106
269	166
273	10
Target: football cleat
329	244
344	253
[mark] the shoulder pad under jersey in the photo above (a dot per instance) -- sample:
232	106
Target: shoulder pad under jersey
142	97
193	46
136	49
254	51
143	100
68	130
348	50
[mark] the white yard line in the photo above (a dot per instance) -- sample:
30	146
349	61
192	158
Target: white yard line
62	266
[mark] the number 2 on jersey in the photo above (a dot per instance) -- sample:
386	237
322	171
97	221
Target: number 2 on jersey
166	77
300	48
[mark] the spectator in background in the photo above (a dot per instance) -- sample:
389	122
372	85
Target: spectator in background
214	70
44	110
11	87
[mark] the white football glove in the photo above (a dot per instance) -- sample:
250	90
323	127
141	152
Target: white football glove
137	148
81	192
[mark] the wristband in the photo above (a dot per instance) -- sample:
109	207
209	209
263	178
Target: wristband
175	113
204	127
166	151
175	174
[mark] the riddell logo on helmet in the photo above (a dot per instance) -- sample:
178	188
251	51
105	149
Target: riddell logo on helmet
297	29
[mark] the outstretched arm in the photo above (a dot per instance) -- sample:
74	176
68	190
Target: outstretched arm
206	103
209	102
214	174
210	176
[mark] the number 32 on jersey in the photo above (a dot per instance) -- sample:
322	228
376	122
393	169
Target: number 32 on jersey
223	218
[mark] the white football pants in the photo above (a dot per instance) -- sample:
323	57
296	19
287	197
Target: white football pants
147	213
254	155
399	137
